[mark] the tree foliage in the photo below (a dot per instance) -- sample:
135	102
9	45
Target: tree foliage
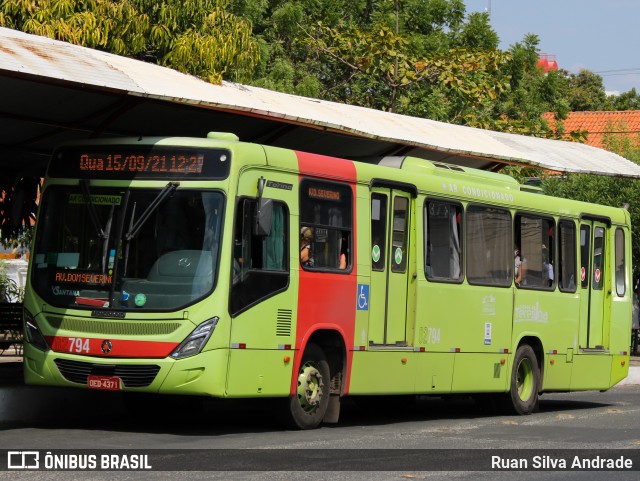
587	92
625	101
415	57
203	37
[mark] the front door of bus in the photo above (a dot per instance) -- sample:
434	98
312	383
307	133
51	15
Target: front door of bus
592	276
390	234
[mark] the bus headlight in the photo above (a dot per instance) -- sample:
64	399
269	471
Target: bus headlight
32	331
194	343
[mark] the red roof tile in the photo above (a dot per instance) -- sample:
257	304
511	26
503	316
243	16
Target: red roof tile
596	124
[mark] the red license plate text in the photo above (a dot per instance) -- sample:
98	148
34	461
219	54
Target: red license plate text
107	383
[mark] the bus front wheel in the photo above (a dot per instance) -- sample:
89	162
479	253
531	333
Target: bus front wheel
525	380
309	404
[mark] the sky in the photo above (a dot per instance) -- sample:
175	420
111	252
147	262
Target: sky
601	36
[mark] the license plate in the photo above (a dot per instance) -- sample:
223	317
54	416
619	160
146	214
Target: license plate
106	383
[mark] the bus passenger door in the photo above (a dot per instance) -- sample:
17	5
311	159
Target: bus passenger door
390	270
592	276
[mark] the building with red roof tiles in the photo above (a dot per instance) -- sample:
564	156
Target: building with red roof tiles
598	124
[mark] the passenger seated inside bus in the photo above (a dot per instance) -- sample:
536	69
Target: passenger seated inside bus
520	267
306	237
547	268
343	256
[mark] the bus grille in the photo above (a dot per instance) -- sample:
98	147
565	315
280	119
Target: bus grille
111	328
131	375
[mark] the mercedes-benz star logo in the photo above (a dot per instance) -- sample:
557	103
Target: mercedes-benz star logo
106	346
184	262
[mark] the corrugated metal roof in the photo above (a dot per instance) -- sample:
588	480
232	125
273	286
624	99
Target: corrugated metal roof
32	57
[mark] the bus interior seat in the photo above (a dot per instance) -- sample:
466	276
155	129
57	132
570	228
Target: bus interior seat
184	273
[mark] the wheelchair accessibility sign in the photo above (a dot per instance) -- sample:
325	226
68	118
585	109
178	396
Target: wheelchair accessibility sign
363	297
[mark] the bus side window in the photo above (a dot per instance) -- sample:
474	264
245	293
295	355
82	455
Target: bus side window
326	214
489	255
443	237
621	286
534	252
260	264
567	256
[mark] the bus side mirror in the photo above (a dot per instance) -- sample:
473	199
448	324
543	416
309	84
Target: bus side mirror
264	213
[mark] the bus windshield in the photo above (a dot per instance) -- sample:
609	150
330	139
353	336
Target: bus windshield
127	249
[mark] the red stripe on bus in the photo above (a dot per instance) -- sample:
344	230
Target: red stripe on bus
91	346
326	167
327	301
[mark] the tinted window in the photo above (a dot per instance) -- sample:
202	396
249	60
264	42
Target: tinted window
260	263
378	231
443	249
534	252
585	254
567	256
489	257
620	264
326	224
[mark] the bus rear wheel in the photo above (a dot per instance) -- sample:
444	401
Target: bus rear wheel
309	404
525	380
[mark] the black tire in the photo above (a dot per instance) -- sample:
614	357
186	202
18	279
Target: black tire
525	381
307	408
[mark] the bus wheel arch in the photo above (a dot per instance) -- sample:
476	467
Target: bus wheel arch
526	377
318	381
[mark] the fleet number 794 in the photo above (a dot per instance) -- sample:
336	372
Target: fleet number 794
78	344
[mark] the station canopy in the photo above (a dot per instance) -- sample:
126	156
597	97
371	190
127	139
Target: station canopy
53	92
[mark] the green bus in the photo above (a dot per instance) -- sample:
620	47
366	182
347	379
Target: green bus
214	267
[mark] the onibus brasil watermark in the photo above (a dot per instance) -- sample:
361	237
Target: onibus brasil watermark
27	460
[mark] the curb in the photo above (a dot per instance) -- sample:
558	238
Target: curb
632	378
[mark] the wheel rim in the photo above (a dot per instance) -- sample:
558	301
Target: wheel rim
524	379
309	388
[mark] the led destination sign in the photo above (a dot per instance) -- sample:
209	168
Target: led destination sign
174	164
147	162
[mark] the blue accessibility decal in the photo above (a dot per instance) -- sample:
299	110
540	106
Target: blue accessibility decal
363	297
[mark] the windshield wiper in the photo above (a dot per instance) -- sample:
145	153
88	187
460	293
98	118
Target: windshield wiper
93	213
95	220
105	243
168	189
126	249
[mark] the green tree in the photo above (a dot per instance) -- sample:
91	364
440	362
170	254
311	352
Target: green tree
532	92
387	54
618	139
626	101
420	58
281	66
587	92
409	57
202	38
